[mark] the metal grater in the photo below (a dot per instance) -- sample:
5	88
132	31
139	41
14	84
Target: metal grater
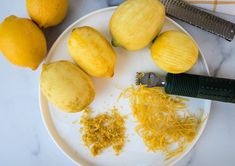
184	11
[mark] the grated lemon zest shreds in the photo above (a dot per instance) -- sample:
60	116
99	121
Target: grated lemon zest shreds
103	131
163	120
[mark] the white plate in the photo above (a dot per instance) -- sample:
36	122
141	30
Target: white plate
64	127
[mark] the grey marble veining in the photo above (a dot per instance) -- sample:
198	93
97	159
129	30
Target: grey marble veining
24	140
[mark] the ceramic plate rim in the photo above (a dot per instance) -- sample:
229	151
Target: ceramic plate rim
47	119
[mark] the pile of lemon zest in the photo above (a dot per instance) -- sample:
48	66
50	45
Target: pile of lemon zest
103	131
160	120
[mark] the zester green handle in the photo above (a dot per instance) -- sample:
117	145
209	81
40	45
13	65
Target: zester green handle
211	88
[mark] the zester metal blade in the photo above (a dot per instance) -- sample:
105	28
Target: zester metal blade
150	79
184	11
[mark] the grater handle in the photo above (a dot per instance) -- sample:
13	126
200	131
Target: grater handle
184	11
211	88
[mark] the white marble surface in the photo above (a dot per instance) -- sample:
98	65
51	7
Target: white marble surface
24	140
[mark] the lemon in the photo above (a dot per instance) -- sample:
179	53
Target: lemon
22	42
174	52
135	23
66	86
92	52
47	13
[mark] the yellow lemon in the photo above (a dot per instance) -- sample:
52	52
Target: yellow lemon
22	42
47	13
135	23
67	86
174	52
92	52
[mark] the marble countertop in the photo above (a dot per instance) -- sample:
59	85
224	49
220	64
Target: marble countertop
24	140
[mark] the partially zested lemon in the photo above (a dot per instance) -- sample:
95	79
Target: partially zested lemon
174	52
